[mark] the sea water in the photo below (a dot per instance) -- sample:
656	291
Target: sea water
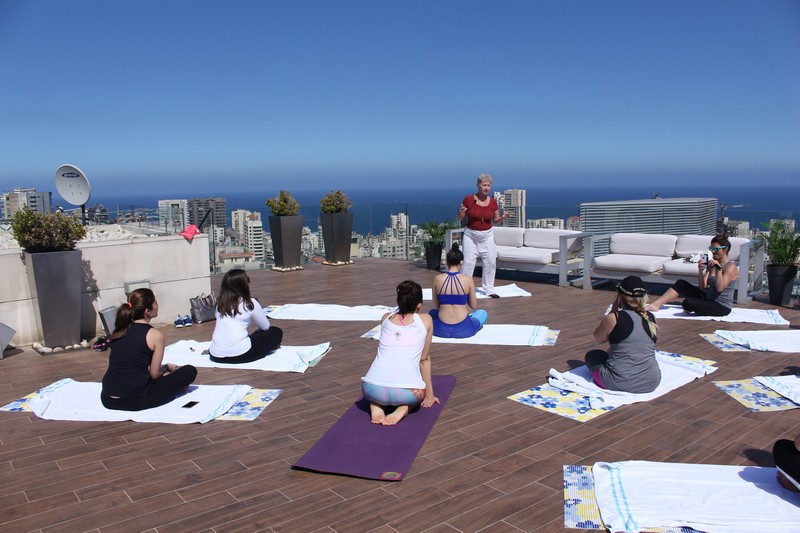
372	208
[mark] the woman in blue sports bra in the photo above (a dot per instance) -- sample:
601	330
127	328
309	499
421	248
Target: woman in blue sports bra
453	297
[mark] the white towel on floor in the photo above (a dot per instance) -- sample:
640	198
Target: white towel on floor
503	291
778	340
637	496
284	359
674	373
75	400
496	334
754	316
786	386
372	313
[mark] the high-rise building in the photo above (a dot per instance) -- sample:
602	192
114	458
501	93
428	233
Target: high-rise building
254	236
198	207
173	215
547	223
574	223
734	228
97	214
238	216
515	203
18	198
674	216
399	226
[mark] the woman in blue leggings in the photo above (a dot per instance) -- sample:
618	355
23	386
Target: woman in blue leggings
453	297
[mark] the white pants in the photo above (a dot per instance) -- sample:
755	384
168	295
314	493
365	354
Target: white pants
480	244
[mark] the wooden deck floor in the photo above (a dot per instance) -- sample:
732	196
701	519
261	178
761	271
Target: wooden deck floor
490	464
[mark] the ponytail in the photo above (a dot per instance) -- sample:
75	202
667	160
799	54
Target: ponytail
637	304
138	302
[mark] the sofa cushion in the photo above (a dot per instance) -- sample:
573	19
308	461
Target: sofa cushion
548	238
691	244
508	236
641	244
679	267
630	263
525	254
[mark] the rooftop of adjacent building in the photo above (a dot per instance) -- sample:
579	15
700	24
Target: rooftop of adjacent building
489	463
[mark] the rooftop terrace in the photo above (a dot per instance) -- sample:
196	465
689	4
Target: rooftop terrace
490	464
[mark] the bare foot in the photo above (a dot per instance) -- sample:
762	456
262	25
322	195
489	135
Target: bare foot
396	416
653	307
376	411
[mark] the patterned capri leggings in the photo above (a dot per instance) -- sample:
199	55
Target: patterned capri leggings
392	395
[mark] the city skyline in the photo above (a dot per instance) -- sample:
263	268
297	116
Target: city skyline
354	94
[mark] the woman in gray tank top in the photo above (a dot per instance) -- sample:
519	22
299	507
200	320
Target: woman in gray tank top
630	363
715	279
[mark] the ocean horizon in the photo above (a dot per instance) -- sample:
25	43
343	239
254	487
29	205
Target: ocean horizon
372	208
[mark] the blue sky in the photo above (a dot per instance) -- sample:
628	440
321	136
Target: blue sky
210	96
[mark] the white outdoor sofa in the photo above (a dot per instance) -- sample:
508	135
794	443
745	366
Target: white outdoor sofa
550	251
658	258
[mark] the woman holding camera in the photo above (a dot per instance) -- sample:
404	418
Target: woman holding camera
715	277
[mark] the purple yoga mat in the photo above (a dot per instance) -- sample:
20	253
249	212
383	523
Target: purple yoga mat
354	446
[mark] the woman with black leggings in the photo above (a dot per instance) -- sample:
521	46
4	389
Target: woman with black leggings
236	309
135	378
715	277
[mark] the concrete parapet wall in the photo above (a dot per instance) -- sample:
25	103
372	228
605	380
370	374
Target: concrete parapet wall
176	269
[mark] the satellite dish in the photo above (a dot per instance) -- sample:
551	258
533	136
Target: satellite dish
73	186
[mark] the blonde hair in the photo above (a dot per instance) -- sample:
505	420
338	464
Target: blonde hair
484	177
637	304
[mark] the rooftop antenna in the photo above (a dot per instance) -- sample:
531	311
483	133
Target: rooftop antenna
73	186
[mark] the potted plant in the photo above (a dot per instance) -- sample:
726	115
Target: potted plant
433	241
337	227
54	271
782	245
286	230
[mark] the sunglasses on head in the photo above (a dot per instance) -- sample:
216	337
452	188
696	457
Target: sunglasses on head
715	248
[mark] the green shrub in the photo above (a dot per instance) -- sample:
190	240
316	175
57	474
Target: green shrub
435	231
781	243
46	232
283	204
335	202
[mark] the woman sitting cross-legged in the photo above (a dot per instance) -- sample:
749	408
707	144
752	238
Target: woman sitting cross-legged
400	375
715	277
230	342
453	296
630	364
135	378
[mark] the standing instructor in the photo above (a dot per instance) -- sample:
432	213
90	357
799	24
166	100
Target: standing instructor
481	212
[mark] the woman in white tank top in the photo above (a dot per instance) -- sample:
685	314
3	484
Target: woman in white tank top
400	375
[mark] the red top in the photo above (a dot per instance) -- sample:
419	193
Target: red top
479	218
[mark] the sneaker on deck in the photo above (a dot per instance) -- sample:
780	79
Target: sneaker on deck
178	322
187	321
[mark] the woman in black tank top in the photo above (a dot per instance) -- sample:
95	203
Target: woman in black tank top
135	378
